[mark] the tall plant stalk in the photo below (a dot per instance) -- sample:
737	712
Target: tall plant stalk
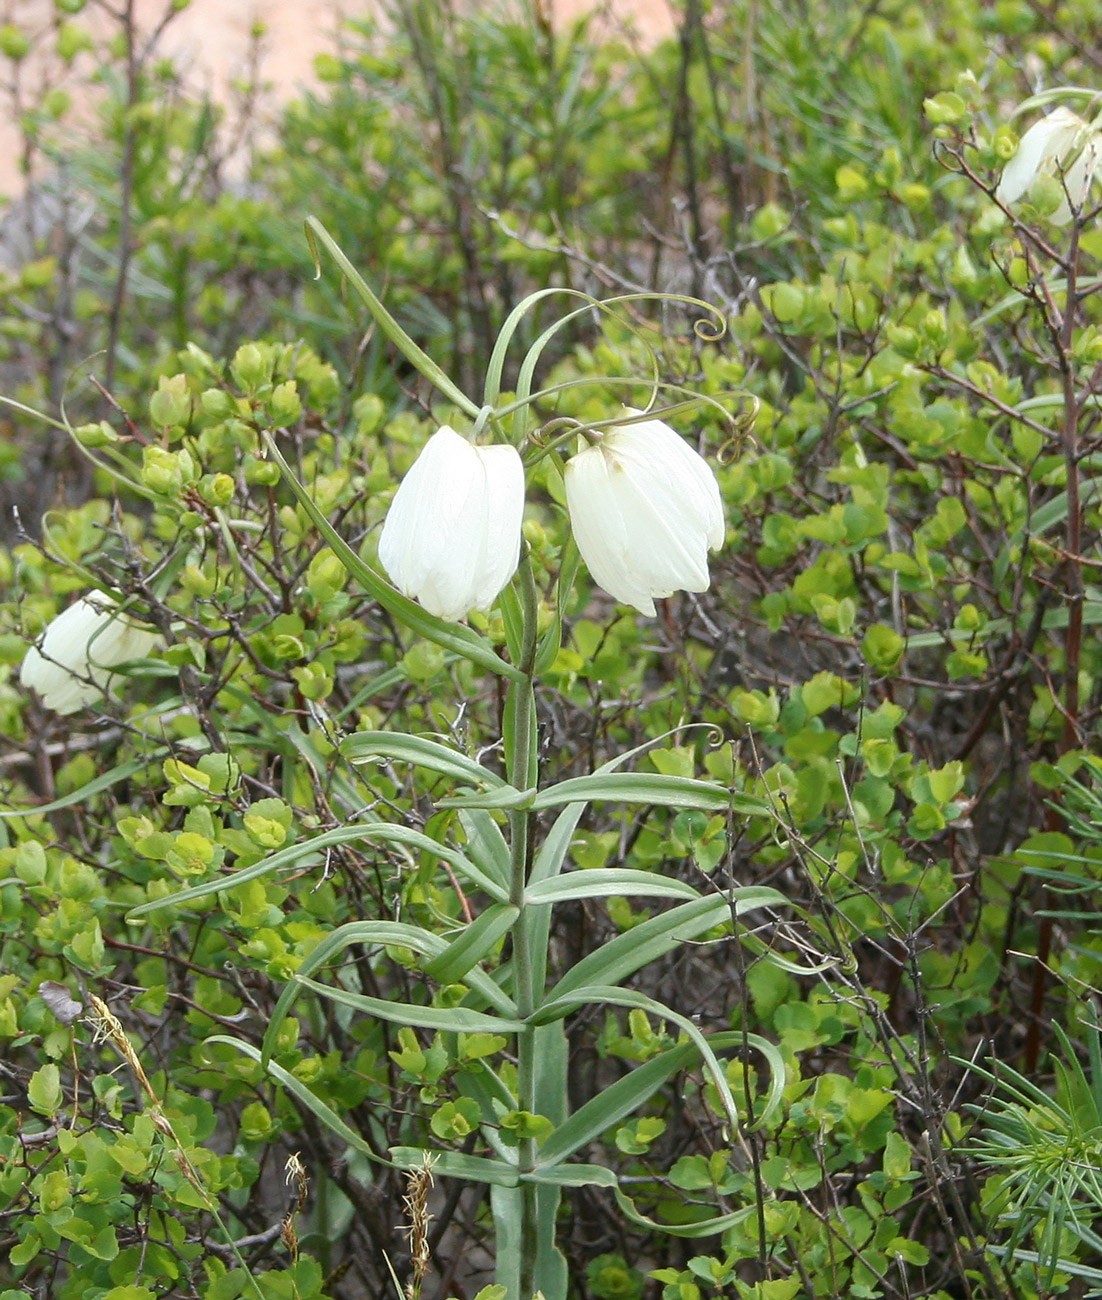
528	972
532	1141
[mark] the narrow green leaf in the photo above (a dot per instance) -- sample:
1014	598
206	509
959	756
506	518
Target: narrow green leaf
486	844
512	620
487	1089
1053	620
1055	512
376	934
1053	401
507	1206
552	854
417	840
600	1176
636	787
551	1267
104	782
1094	1054
607	882
615	1102
557	843
691	1231
548	862
339	785
363	746
455	1020
1063	1264
293	855
473	943
504	799
1053	285
415	355
289	857
551	1056
607	995
551	641
367	933
297	1088
761	949
644	943
572	1176
453	1164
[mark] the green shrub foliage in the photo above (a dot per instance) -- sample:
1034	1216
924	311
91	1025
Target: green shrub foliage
895	675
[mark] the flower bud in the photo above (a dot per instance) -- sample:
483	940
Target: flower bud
249	366
197	581
14	42
286	646
313	681
170	405
935	329
368	410
285	405
325	576
217	489
261	473
161	471
95	435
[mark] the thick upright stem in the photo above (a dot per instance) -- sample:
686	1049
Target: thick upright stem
520	837
527	970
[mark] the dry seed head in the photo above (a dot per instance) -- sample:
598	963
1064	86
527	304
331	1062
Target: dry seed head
161	1124
106	1027
105	1024
296	1174
419	1182
188	1169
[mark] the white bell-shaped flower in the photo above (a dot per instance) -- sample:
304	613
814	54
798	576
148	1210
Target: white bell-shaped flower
646	510
451	538
1061	145
70	665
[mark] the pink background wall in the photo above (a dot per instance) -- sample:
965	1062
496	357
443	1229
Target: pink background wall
211	37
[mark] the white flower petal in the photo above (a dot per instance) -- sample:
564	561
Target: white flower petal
687	476
1061	146
645	510
59	689
503	485
71	665
598	517
1077	180
1049	139
451	539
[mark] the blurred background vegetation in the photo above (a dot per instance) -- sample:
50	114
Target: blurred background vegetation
899	648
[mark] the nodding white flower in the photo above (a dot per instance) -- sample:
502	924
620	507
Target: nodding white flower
645	510
451	538
70	664
1061	145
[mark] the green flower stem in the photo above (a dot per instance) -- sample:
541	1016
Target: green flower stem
528	965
